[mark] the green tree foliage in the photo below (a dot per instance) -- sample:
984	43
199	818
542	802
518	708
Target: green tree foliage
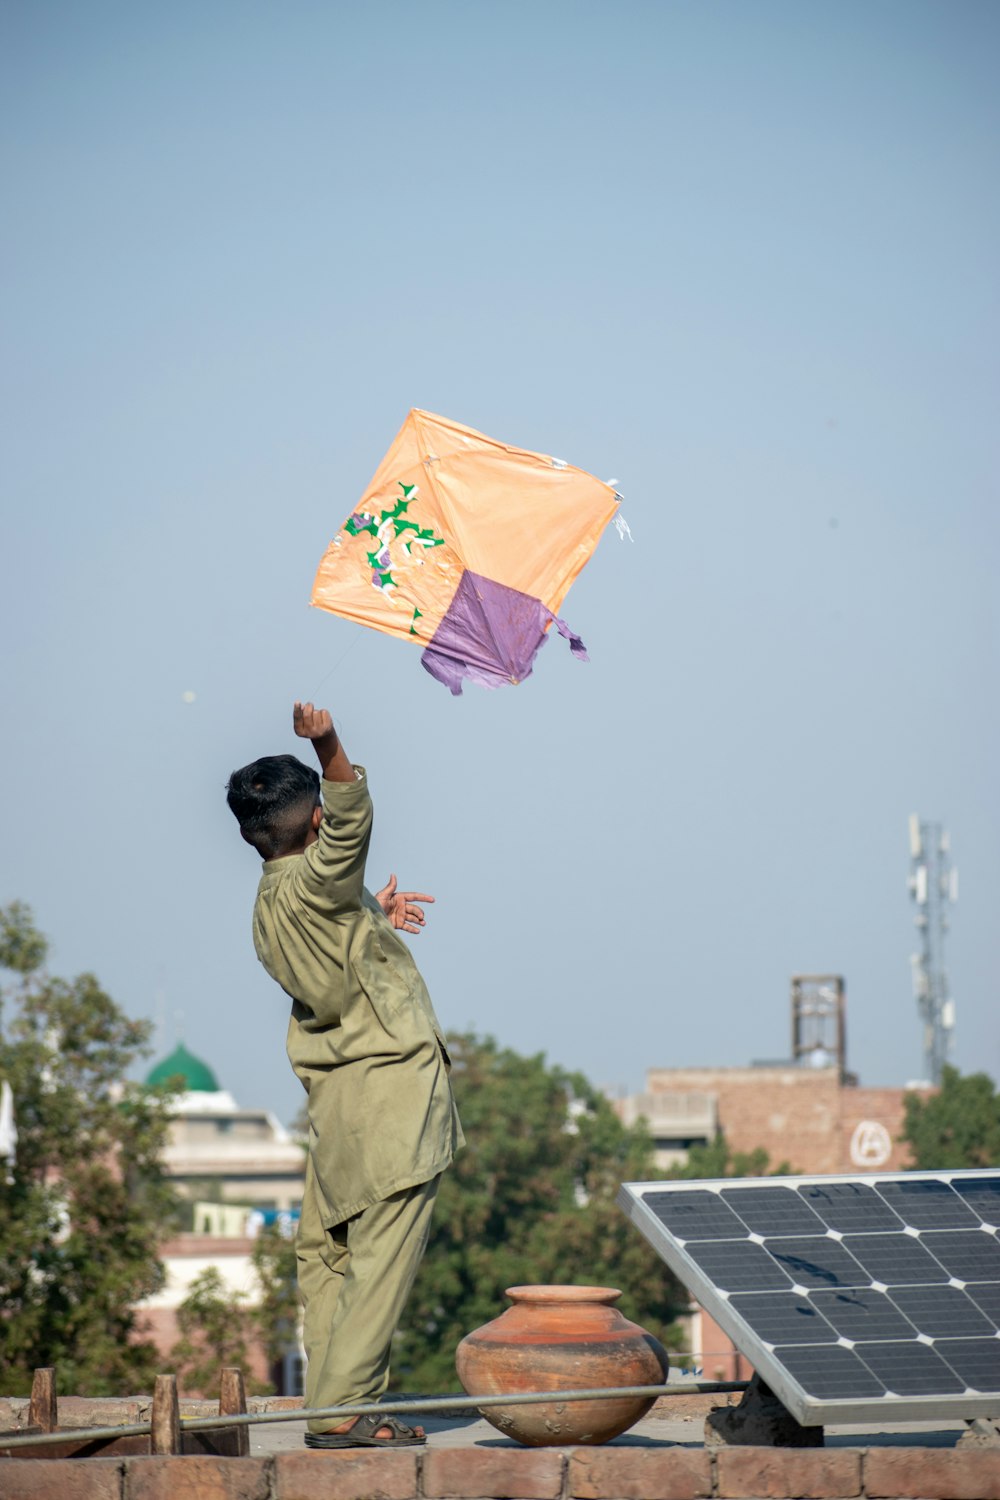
959	1126
216	1328
277	1310
86	1204
717	1159
531	1199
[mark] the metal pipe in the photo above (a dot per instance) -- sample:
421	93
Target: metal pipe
74	1435
378	1408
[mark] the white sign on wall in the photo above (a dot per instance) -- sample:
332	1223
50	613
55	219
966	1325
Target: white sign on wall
871	1144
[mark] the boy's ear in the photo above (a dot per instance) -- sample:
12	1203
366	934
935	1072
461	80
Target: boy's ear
317	818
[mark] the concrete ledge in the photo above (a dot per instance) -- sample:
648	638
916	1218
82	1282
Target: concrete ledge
87	1411
100	1411
627	1471
692	1408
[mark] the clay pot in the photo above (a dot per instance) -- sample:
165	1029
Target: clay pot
561	1338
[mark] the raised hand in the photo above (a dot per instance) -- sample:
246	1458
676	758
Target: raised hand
400	906
311	723
316	724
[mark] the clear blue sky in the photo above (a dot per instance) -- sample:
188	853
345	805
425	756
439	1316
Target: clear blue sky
742	257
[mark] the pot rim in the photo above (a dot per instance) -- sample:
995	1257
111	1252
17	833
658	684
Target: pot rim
547	1295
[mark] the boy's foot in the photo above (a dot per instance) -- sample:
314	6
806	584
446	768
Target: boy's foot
372	1431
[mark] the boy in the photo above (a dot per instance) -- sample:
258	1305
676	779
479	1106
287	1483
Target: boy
365	1042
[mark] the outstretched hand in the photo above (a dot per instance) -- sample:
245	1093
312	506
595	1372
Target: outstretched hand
400	906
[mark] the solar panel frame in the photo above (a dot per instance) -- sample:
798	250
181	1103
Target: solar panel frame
853	1204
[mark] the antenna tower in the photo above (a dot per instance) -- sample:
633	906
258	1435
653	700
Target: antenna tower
933	884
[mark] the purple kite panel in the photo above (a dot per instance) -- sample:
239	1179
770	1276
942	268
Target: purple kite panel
491	634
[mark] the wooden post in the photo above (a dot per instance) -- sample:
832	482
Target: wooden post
233	1401
166	1419
44	1409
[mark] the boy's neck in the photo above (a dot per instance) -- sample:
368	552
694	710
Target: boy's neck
310	838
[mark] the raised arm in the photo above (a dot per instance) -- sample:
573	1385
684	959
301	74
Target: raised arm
333	870
316	724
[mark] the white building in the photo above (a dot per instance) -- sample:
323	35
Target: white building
238	1169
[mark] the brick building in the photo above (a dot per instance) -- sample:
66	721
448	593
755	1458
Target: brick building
809	1119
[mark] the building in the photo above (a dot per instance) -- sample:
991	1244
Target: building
807	1112
234	1170
219	1152
807	1119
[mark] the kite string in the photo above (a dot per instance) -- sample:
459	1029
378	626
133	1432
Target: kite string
339	662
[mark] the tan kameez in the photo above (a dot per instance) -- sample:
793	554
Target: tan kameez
362	1035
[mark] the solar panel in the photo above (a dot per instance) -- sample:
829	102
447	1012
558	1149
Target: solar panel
857	1299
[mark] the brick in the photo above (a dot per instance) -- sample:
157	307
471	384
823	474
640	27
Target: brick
806	1473
13	1413
85	1411
61	1479
500	1473
944	1473
634	1473
196	1477
351	1475
193	1406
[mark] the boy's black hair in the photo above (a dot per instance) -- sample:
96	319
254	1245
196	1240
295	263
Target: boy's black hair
273	800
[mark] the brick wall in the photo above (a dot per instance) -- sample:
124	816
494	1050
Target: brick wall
861	1146
803	1117
635	1471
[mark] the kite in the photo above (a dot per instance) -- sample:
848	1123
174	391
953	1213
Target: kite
467	547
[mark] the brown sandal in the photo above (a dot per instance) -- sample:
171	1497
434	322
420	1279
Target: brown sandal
361	1434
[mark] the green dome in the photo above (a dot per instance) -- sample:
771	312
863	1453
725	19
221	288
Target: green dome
198	1076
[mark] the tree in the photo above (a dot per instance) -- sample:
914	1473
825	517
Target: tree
83	1209
277	1310
959	1126
717	1159
531	1199
216	1327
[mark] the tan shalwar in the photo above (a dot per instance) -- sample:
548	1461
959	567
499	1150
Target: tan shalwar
365	1042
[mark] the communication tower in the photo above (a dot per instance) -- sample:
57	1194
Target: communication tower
933	884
